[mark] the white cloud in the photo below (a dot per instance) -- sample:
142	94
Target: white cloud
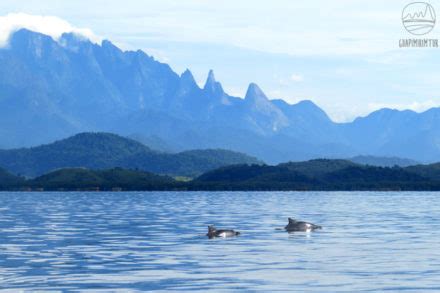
48	25
315	27
296	77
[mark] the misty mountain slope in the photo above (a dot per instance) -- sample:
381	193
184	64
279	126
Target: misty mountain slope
404	134
379	128
53	89
310	123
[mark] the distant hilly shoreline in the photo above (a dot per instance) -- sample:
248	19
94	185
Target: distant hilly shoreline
97	151
108	162
61	88
314	175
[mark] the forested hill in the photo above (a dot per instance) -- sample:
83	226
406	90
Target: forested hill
315	175
321	174
106	150
111	179
8	180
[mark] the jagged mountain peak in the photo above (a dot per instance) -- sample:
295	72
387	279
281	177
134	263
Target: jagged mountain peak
211	77
212	86
187	78
262	112
254	93
187	93
101	88
187	74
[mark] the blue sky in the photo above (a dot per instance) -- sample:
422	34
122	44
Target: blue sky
343	55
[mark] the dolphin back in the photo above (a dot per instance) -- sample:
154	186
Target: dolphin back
299	226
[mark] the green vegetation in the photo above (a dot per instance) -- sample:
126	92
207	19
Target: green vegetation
112	179
431	171
311	175
318	175
8	180
105	150
88	150
316	168
185	164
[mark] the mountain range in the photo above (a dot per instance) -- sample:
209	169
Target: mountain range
51	89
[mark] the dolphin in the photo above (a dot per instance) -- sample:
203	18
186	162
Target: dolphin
213	233
299	226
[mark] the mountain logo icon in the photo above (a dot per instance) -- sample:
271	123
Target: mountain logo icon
418	18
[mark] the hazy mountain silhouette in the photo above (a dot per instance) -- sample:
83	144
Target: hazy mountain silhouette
53	89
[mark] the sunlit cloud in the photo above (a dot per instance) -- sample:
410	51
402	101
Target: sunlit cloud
48	25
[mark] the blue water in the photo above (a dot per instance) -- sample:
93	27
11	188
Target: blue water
155	241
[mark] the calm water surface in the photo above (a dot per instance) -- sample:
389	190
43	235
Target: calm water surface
155	241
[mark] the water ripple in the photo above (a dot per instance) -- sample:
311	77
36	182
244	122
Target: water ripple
156	241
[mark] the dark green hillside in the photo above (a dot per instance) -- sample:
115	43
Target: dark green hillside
318	167
371	178
431	171
314	175
106	150
253	177
7	180
188	163
89	150
84	179
311	175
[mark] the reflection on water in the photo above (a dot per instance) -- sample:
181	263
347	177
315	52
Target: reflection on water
155	241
